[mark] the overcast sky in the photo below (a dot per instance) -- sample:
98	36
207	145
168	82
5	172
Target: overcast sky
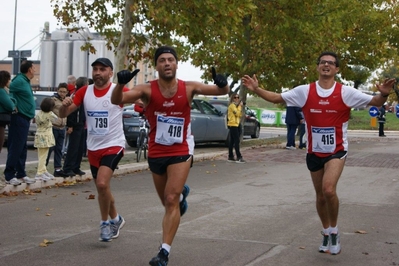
31	16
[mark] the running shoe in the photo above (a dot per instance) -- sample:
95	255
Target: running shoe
231	159
115	227
240	160
183	203
42	177
324	247
161	259
105	232
335	245
14	181
49	175
28	180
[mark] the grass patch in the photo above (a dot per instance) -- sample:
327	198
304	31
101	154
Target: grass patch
361	120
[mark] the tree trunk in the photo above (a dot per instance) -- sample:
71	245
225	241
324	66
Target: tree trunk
126	35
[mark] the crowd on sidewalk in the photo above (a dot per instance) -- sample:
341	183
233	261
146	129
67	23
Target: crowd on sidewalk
18	110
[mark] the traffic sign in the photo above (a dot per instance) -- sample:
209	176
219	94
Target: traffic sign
373	111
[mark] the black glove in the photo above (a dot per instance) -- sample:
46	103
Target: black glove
218	79
125	76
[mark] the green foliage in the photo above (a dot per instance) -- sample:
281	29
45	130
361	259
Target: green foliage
278	40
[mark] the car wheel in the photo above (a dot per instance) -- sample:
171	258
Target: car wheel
132	143
256	134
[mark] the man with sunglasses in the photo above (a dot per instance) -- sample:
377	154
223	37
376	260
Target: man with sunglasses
234	113
326	105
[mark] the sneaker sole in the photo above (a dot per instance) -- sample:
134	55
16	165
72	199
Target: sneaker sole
120	227
335	253
104	240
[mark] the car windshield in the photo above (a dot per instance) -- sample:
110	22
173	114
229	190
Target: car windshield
39	98
221	107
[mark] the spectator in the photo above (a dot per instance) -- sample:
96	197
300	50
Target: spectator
234	113
293	118
302	131
21	90
44	137
381	120
71	80
58	130
77	137
7	104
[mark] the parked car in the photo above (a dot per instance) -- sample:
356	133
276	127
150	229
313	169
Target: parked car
207	123
39	96
251	123
131	125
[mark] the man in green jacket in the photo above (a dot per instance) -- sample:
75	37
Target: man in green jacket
21	91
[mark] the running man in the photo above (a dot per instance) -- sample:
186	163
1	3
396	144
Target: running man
326	105
167	101
105	139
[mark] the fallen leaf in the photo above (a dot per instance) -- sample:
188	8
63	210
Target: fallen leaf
37	209
302	247
45	243
48	214
91	196
74	193
360	232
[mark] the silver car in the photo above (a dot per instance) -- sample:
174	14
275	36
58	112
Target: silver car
207	124
39	96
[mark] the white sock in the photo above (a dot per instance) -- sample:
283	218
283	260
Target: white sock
166	247
181	197
116	219
334	230
326	231
106	222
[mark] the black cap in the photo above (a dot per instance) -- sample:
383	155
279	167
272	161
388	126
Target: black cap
162	50
103	61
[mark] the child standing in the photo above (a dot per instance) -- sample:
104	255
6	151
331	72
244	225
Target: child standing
44	138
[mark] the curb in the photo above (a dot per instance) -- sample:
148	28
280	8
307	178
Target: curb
122	170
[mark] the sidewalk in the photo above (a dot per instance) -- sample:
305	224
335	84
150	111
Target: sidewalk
122	170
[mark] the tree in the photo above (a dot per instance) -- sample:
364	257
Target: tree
137	25
278	40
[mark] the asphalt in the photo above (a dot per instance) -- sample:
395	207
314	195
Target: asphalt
258	213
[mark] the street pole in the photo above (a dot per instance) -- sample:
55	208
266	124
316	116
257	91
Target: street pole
15	24
13	42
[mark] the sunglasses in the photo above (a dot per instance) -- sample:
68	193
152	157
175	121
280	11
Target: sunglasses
323	62
236	97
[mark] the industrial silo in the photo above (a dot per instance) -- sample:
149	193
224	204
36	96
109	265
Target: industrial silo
63	61
101	51
59	35
80	66
47	64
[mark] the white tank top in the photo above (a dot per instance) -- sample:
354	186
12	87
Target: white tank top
104	120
